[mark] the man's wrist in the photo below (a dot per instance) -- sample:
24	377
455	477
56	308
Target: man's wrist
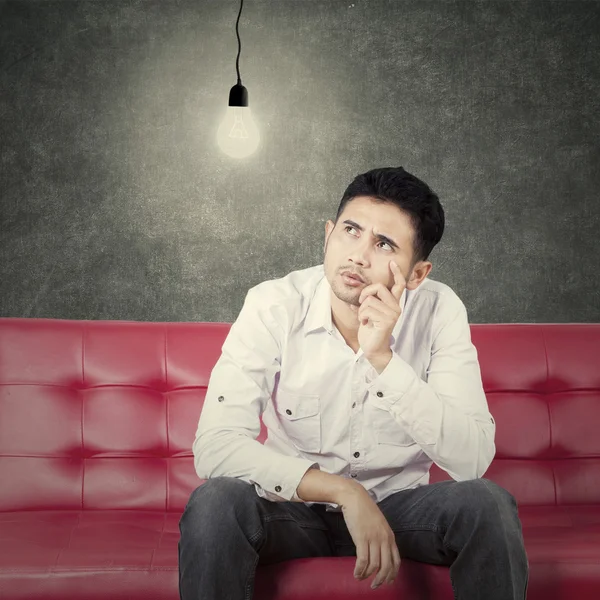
380	361
348	488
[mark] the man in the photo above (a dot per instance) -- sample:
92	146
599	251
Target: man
362	382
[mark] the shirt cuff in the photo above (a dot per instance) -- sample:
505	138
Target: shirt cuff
285	486
389	386
295	497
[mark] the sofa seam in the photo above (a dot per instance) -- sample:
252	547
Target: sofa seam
166	422
162	533
69	540
81	398
549	411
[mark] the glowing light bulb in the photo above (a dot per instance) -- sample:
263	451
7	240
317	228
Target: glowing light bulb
238	134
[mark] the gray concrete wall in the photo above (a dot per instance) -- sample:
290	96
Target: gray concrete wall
116	202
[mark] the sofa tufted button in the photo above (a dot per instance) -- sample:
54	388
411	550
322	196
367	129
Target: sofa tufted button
277	488
353	475
220	398
379	394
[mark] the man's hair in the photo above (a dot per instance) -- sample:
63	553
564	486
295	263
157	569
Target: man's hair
397	186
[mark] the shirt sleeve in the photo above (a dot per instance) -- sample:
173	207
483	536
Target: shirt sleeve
276	498
239	388
447	415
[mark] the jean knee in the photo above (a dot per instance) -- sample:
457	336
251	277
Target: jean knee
483	496
214	496
499	492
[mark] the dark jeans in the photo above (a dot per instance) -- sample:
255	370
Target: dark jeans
471	526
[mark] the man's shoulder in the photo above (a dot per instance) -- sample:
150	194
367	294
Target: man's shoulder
439	297
287	297
291	288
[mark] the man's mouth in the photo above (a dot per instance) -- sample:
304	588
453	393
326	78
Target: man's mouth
353	276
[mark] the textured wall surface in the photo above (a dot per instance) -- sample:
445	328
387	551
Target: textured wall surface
116	202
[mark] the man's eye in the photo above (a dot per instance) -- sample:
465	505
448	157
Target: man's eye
381	242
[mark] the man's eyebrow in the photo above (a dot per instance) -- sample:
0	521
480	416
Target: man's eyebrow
380	236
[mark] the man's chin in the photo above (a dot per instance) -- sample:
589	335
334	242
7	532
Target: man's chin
351	299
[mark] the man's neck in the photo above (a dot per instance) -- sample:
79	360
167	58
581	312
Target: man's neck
345	320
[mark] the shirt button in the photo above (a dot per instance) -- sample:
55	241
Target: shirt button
356	454
353	404
353	475
220	398
277	488
379	394
288	411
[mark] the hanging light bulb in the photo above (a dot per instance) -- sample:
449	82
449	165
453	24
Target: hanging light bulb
238	134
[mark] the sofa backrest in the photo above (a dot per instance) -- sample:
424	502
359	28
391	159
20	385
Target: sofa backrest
102	414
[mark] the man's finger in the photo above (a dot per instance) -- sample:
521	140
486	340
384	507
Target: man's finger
397	560
374	559
385	568
380	292
362	559
399	280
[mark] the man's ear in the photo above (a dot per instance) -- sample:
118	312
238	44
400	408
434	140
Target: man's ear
418	274
329	227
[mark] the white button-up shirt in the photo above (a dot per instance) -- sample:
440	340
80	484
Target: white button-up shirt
326	407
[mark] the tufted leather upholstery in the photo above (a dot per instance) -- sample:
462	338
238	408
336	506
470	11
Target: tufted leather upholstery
97	420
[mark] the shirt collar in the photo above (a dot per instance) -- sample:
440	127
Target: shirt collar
319	310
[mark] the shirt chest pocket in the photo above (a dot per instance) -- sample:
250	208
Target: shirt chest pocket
300	418
387	430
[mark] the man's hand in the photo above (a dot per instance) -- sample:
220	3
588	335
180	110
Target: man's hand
376	549
379	312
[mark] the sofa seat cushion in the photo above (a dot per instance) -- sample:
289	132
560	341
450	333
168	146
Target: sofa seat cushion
90	554
133	554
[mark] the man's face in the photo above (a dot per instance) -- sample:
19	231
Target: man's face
347	248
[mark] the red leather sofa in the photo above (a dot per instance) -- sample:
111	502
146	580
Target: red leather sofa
97	420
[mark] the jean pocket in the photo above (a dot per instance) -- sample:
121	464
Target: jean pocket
300	418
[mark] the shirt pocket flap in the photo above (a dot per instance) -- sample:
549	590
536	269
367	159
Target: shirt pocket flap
387	430
293	406
394	434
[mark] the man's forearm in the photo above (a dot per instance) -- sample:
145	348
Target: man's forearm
318	486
